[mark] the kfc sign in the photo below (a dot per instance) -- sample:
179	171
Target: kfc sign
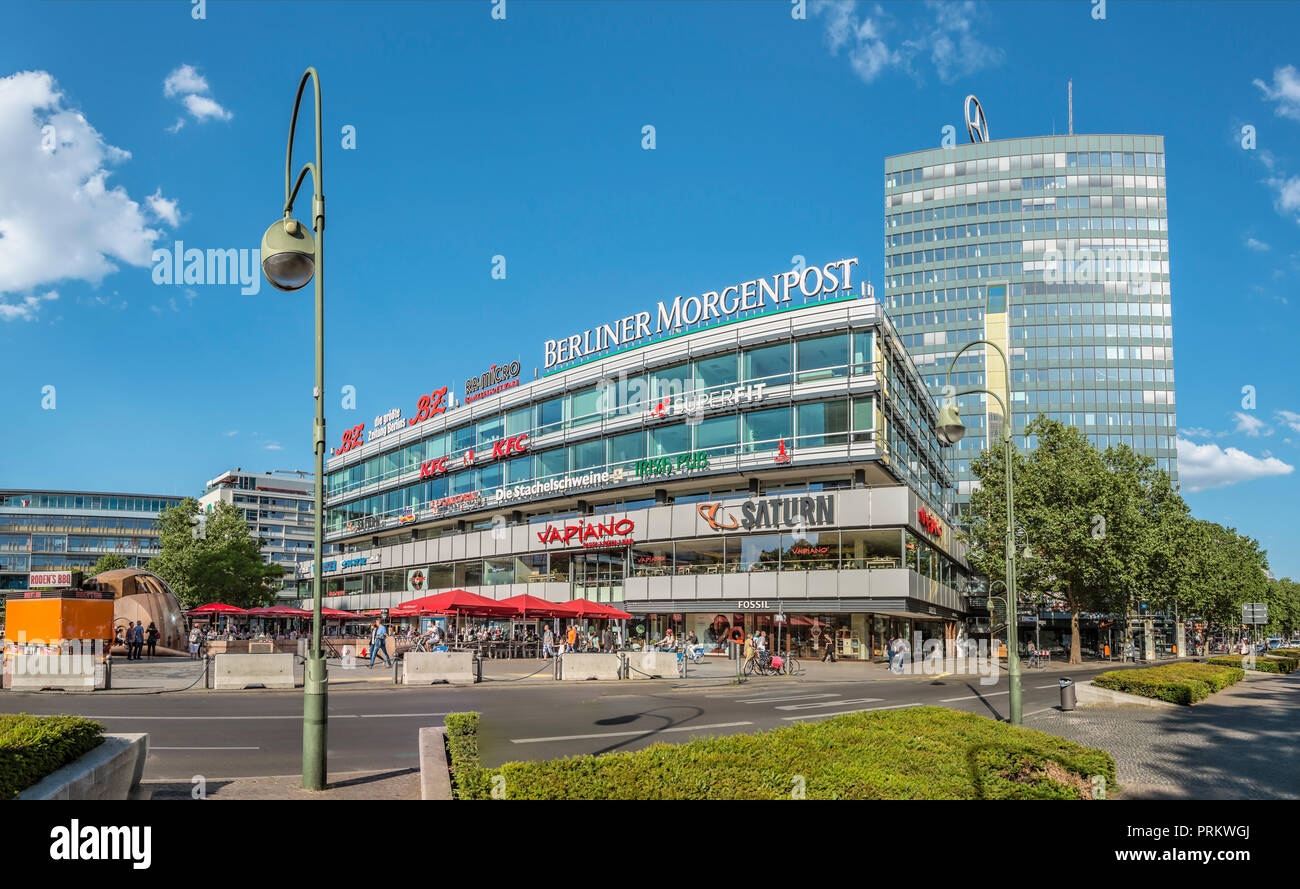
506	447
610	532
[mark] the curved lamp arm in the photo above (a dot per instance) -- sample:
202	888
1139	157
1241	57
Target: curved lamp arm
318	178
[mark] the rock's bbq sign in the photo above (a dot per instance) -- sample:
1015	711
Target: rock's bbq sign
498	378
929	522
610	532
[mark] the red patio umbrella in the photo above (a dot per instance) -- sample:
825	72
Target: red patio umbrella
217	608
457	602
334	612
277	611
588	608
525	605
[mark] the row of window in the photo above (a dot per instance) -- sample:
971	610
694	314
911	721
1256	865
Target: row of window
1038	161
812	424
1142	285
1099	290
1108	331
984	187
1056	250
1013	226
86	501
62	523
1120	374
44	543
814	551
806	360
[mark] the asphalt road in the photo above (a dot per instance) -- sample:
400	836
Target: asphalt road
259	733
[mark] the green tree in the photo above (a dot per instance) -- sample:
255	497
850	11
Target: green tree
108	562
222	563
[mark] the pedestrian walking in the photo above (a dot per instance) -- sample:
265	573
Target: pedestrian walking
136	636
607	640
152	638
829	654
196	638
379	643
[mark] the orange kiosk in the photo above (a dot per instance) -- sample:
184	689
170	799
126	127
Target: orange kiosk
42	621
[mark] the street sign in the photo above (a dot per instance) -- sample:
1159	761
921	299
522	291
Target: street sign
1254	613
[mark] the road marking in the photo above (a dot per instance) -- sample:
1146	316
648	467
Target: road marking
992	694
788	698
828	704
295	716
1036	712
649	731
1040	687
846	712
152	749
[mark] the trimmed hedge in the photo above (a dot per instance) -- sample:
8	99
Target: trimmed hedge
1263	664
32	747
1177	683
1285	652
916	753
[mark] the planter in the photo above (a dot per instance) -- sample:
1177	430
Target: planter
110	771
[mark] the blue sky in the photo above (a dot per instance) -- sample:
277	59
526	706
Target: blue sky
522	137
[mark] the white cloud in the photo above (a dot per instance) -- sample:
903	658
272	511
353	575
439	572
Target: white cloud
164	208
1197	432
1290	418
184	79
60	219
1252	426
948	38
26	309
1202	467
193	90
202	107
1285	91
232	433
274	446
1255	244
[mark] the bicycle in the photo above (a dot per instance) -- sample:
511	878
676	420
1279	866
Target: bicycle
762	665
789	666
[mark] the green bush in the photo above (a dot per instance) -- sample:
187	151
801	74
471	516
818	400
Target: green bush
916	753
1262	664
1184	683
32	747
1286	652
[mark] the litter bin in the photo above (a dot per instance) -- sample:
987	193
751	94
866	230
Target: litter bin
1067	694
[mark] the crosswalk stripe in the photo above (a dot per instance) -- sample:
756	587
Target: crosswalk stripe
788	698
992	694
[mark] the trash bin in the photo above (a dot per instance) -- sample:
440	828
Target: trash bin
1067	694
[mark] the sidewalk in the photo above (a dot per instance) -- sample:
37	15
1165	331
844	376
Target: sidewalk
401	784
1237	744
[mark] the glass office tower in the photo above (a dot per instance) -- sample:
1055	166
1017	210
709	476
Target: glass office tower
1076	229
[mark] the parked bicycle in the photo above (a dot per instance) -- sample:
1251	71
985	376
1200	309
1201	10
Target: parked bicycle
764	663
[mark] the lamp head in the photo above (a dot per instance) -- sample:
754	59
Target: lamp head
950	427
288	254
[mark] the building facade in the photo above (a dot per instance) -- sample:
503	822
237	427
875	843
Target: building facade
771	465
65	531
279	508
1057	249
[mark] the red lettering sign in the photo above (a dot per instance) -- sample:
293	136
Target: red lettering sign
352	438
610	532
515	444
929	522
431	468
429	406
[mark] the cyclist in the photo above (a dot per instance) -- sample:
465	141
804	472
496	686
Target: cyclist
694	650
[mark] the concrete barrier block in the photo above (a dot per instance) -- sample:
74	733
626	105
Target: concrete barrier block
652	665
581	666
245	670
428	667
110	771
435	774
33	672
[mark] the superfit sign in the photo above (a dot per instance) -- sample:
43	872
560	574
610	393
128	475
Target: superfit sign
713	305
608	532
497	378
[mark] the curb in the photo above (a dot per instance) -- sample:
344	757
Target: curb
435	773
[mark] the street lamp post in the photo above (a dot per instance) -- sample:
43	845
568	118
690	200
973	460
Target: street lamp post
951	431
290	258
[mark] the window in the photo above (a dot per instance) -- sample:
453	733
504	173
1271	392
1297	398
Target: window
670	382
864	417
871	549
700	556
863	351
717	435
584	407
587	455
550	414
652	560
489	430
626	448
815	551
823	358
763	429
823	423
552	463
674	439
768	364
519	421
712	373
757	552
